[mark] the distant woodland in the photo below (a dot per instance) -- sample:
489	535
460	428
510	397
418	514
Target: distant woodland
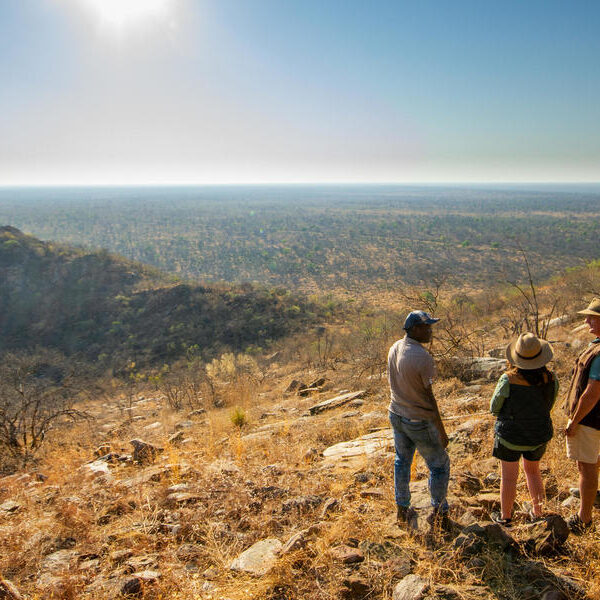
317	238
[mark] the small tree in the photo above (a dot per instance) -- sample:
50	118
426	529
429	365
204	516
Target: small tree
528	315
37	394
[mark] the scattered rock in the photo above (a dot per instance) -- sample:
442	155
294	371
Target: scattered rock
120	556
89	565
196	413
349	453
355	588
179	498
548	535
481	367
184	425
97	468
8	591
296	542
399	566
492	480
153	426
347	555
148	576
275	470
58	561
412	587
335	402
142	563
331	504
311	455
10	506
143	452
130	586
211	573
102	450
293	386
570	502
176	438
259	559
301	504
224	467
488	500
469	483
372	493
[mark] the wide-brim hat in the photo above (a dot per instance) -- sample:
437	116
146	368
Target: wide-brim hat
592	309
529	352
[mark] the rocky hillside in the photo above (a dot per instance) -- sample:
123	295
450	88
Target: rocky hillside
114	311
284	495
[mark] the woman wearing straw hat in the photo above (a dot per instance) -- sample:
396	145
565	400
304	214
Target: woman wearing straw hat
522	402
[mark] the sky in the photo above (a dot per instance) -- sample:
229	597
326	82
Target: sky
117	92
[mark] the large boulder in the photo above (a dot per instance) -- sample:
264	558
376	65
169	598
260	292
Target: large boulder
548	535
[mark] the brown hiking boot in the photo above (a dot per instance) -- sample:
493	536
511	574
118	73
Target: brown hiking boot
577	526
402	514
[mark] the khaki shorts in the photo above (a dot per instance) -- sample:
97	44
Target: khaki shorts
584	446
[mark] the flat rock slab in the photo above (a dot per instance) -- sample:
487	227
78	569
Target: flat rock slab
59	561
8	591
259	559
10	506
335	402
369	445
412	587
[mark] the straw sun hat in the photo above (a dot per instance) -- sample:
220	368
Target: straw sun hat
593	309
529	352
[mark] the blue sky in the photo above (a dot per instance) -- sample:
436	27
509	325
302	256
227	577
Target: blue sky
237	91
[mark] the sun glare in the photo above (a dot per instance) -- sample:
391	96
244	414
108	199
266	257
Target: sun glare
119	13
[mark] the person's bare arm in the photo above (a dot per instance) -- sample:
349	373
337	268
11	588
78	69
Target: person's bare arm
589	398
437	417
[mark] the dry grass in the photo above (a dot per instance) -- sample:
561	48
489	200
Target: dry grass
242	479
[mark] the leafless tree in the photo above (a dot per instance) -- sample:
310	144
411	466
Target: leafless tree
38	393
528	314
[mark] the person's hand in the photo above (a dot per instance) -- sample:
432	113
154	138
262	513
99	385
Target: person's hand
570	429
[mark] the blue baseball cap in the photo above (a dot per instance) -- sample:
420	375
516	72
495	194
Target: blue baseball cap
418	317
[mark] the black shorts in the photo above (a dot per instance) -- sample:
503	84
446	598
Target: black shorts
504	453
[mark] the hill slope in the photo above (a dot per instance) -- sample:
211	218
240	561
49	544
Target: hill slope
103	307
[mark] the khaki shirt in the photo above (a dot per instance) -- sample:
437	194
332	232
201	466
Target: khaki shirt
410	373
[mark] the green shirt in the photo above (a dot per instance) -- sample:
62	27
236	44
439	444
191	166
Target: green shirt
595	366
502	392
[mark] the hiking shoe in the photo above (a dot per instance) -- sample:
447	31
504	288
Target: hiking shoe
497	518
402	514
577	526
441	520
532	518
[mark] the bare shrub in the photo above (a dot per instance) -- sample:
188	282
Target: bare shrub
38	393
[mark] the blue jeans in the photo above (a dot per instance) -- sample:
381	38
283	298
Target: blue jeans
425	437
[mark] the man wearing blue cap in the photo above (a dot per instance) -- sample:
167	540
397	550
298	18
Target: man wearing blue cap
415	416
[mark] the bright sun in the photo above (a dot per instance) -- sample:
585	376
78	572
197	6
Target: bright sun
120	13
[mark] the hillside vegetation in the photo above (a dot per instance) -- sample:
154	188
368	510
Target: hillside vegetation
103	515
104	308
